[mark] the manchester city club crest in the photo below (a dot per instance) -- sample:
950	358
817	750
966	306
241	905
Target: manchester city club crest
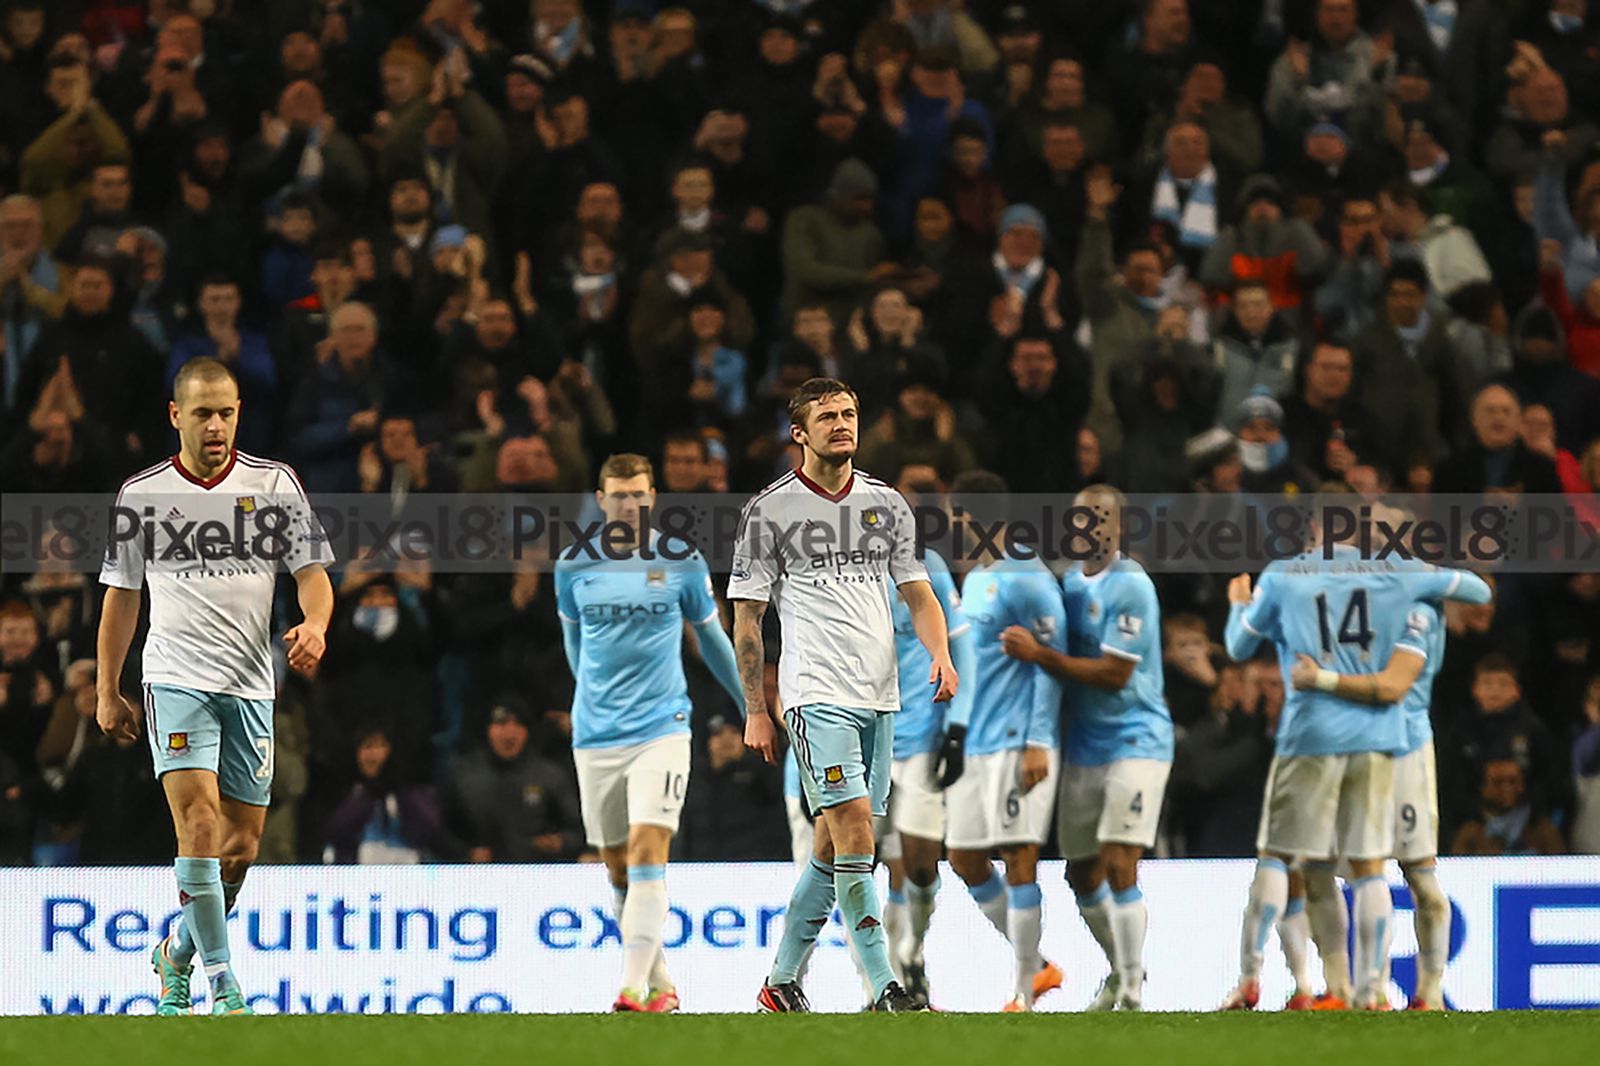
655	578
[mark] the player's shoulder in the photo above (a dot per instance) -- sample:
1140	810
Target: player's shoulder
1129	577
273	474
147	480
875	486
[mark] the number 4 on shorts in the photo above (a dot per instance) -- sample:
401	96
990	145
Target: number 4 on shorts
1137	806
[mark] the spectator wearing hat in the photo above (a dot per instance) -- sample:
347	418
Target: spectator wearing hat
507	803
1542	374
383	820
1269	466
1060	97
1026	292
705	383
923	120
1328	432
1448	252
457	141
1033	400
776	89
1405	368
526	115
1284	254
833	251
1230	122
1020	42
1454	186
920	426
382	676
1329	77
686	263
735	809
1329	172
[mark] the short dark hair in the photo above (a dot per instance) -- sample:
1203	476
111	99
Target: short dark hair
1406	270
1494	663
812	390
201	368
1404	191
686	436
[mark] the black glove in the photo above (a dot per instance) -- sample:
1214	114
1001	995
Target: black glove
952	756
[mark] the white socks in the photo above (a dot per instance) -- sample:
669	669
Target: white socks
1129	919
921	901
643	912
1432	918
1374	915
1096	911
1330	927
1269	895
1024	920
1294	931
658	980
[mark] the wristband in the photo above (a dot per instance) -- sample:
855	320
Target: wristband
1327	680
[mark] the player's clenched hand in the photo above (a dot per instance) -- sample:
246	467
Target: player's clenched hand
306	643
759	735
1304	672
943	676
1020	643
116	717
1035	767
1239	589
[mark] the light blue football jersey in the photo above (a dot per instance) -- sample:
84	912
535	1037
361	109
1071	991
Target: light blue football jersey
921	722
1115	612
1427	622
1350	615
630	684
1014	704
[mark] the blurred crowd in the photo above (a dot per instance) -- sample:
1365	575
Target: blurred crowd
1212	246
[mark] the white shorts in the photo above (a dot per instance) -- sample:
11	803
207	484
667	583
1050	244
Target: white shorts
1329	806
916	803
802	830
986	807
1114	803
1416	806
635	784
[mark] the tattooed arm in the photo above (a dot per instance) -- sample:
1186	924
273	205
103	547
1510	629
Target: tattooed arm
759	732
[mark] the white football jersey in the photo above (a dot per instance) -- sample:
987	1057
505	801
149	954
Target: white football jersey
830	563
208	552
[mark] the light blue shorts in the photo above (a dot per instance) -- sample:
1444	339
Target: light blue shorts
228	735
844	753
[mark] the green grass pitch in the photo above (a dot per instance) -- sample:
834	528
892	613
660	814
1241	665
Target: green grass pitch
1505	1039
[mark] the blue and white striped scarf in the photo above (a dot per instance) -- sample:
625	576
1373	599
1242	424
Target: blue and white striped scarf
1197	220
